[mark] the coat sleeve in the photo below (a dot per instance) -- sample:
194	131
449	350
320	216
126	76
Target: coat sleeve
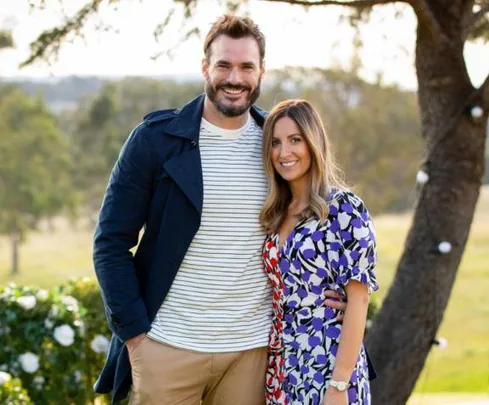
123	213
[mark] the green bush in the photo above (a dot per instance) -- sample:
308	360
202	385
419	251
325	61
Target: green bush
96	342
11	391
54	341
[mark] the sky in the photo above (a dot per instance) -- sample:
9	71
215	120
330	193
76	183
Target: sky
295	37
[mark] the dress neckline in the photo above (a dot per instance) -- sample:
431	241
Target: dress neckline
281	245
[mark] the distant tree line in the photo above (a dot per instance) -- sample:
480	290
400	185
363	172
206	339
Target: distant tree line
56	162
35	166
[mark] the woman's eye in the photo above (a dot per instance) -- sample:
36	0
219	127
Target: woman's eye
275	143
296	140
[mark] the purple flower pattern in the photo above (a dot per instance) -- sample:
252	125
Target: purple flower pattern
305	334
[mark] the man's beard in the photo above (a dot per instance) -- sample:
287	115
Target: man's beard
232	111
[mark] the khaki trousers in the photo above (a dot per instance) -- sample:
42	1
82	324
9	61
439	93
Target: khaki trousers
167	375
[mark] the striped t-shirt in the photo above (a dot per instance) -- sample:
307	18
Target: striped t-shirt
220	300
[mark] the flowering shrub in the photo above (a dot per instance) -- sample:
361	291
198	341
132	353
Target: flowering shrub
53	341
11	391
97	333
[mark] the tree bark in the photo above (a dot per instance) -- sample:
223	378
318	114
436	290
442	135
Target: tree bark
404	329
15	242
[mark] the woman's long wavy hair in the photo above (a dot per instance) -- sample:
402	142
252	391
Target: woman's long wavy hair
325	174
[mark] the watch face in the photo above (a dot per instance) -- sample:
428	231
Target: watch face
342	386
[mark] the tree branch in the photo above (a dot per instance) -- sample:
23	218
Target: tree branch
425	16
6	40
477	16
474	19
48	43
427	19
352	3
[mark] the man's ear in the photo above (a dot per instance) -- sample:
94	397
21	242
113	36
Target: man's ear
204	67
262	69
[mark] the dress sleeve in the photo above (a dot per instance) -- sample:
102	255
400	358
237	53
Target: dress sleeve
356	233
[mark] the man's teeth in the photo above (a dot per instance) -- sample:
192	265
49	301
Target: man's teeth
233	91
288	164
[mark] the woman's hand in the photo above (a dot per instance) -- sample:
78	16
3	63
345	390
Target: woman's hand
336	301
335	397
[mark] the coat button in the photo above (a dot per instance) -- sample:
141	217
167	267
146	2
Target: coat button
193	144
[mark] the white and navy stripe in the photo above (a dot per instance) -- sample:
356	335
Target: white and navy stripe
220	300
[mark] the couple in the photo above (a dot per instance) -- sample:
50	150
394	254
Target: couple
194	315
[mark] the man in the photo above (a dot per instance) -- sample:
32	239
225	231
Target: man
191	310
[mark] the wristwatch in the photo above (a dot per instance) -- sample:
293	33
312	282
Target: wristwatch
339	385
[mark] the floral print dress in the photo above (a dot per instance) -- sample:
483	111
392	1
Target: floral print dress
305	334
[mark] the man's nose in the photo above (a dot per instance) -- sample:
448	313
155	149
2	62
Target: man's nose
235	76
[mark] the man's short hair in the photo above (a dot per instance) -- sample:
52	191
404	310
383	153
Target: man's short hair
234	27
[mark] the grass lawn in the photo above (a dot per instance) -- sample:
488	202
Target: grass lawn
48	258
449	399
464	365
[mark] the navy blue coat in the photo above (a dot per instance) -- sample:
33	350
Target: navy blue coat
157	184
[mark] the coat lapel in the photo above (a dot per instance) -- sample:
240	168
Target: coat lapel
186	171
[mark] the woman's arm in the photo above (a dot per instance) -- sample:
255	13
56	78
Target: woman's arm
352	331
350	339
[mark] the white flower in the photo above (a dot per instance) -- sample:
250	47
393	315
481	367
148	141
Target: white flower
5	295
70	302
29	362
38	380
100	344
48	323
53	312
64	335
4	377
27	301
81	326
42	295
78	376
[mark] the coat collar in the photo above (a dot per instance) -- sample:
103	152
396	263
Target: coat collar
187	122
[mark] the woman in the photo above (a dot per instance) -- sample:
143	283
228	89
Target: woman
319	237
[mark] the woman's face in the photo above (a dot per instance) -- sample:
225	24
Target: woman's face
291	157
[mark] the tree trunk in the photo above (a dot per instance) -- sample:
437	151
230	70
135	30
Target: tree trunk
15	241
403	331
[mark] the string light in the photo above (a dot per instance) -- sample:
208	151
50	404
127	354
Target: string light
470	108
444	247
441	342
476	112
422	177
